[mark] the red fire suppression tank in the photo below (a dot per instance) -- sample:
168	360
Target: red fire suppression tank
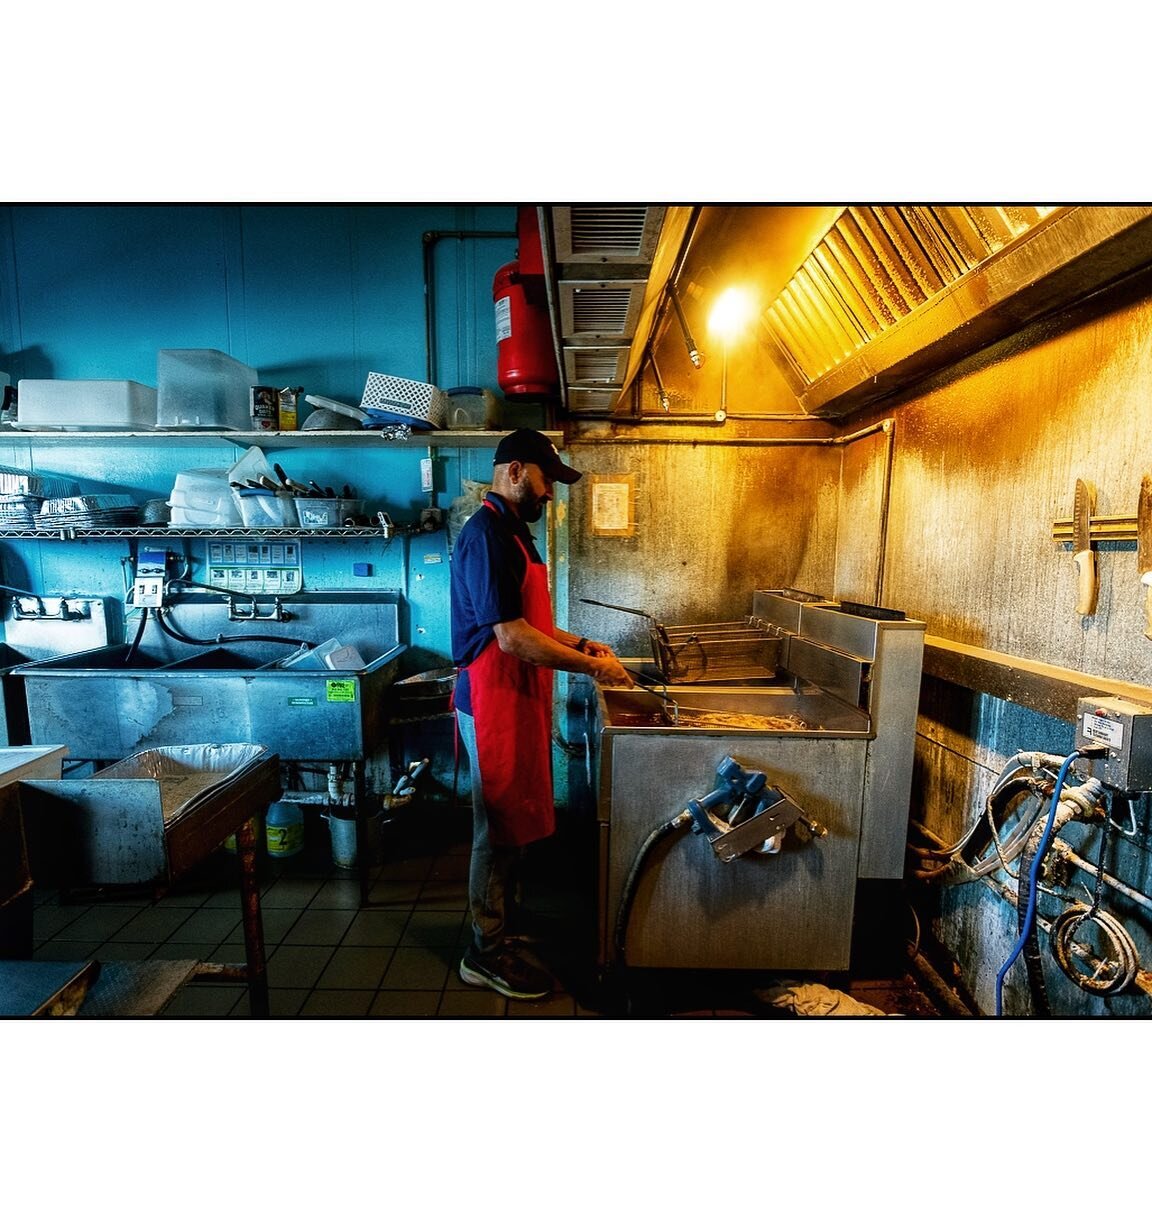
525	358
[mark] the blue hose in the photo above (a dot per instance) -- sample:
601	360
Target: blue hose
1034	874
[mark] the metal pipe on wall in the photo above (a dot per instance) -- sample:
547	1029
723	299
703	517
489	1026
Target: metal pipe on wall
885	426
430	238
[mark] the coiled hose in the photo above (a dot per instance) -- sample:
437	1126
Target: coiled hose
1020	775
1123	949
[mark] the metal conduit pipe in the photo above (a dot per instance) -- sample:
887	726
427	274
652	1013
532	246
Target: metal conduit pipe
1064	852
882	426
937	986
430	238
769	416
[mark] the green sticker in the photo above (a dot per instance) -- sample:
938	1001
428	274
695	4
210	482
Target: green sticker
341	691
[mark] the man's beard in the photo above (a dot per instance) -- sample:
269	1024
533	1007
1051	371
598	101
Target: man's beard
530	507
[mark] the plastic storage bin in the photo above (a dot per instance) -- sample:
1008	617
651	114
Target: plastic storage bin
203	388
203	498
261	508
322	513
44	403
472	408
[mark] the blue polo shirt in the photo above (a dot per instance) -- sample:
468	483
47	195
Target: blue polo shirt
488	569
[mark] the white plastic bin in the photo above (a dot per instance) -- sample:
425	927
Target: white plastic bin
44	403
202	497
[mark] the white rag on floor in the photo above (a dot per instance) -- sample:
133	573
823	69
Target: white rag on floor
815	1000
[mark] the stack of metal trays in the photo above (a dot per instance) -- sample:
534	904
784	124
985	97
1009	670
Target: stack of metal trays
87	512
19	512
22	493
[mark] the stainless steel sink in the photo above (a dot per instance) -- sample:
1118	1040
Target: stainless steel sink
112	702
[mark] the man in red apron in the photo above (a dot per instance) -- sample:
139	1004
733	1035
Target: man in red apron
506	648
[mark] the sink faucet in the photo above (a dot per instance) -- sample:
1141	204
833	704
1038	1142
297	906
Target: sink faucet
239	614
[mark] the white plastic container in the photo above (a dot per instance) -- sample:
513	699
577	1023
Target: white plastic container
75	405
203	488
337	656
331	654
260	508
180	516
203	498
203	388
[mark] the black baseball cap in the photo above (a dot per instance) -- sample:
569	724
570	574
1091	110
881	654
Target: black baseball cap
528	445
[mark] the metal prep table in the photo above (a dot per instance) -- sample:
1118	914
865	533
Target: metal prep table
149	819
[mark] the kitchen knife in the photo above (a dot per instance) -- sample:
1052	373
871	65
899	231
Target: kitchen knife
1144	549
1085	557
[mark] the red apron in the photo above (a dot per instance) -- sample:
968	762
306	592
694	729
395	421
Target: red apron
512	709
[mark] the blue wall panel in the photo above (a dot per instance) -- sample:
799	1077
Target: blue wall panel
317	296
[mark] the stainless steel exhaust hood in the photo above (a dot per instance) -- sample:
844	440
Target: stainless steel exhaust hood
856	301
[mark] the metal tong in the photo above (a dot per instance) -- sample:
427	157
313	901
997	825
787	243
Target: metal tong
653	688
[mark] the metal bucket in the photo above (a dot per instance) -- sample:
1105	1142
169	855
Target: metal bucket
342	830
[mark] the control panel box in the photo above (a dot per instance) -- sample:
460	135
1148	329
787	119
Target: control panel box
1124	727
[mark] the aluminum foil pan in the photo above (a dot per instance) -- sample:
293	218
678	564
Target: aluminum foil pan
18	512
187	775
17	482
87	511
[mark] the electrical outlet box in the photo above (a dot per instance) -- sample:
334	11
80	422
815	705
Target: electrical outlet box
1125	728
151	571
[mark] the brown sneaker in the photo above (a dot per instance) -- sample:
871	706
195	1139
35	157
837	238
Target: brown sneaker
506	973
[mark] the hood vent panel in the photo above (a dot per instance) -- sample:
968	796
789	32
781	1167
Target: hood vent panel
600	310
595	366
591	233
875	267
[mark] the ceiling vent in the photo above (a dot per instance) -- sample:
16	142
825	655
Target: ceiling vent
606	309
596	366
602	233
587	402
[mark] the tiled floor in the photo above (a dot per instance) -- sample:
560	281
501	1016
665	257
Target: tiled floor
328	957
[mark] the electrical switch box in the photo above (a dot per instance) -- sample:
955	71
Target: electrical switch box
1124	727
151	570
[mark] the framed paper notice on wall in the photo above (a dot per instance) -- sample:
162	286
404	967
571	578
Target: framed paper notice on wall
613	505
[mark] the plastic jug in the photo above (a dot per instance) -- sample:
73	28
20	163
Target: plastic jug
284	829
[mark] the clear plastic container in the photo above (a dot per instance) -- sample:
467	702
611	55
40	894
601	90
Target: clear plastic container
331	654
472	408
322	513
203	388
263	508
